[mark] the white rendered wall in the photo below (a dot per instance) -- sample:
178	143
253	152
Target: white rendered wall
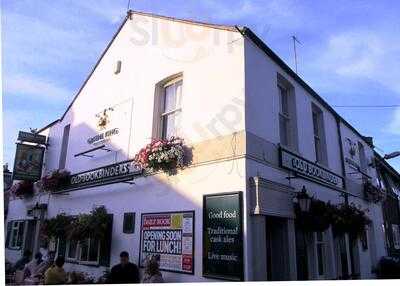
211	62
262	119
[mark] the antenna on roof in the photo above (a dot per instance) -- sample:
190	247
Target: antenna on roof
295	40
129	5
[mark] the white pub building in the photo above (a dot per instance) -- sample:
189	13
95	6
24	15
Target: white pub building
255	135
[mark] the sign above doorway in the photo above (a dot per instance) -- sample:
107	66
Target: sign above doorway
309	170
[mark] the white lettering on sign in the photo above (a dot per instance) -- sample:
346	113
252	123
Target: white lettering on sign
107	172
222	215
162	241
309	170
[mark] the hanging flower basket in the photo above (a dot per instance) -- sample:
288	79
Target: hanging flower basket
55	181
349	219
373	194
343	218
318	218
165	155
23	189
92	225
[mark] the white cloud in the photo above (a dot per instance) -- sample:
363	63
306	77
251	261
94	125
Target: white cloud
53	44
268	13
394	126
41	89
370	54
111	11
223	12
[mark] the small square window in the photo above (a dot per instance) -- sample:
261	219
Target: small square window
129	223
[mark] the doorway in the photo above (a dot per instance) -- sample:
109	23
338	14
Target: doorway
301	254
277	249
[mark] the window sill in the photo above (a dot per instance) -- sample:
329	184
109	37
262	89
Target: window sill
91	264
291	149
323	165
14	248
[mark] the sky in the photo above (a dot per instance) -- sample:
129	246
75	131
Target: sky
349	53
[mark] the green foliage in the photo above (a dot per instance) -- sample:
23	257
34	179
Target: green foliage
343	218
92	225
349	219
317	219
57	226
89	225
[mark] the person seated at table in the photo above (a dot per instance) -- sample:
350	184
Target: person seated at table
56	274
42	268
31	271
20	264
152	272
125	272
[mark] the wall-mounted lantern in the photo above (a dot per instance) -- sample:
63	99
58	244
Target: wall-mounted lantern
304	200
39	210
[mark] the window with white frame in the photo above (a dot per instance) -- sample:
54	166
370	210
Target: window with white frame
287	114
171	108
284	116
71	250
84	251
320	254
319	135
16	234
396	236
363	158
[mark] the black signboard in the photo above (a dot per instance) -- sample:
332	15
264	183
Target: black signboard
31	137
309	170
114	173
28	162
222	236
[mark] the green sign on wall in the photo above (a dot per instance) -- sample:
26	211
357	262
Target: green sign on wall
222	236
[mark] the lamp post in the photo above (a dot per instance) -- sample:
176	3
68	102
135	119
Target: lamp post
38	212
304	203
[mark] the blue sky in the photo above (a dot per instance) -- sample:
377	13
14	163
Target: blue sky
349	53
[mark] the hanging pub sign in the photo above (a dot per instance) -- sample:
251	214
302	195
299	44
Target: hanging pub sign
170	236
222	236
309	170
28	162
114	173
31	137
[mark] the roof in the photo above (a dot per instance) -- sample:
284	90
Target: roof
47	126
245	31
191	22
383	163
260	44
129	13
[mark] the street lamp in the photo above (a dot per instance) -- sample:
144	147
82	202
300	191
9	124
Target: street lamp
38	212
391	155
304	200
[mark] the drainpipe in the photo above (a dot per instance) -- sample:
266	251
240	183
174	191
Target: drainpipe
345	194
